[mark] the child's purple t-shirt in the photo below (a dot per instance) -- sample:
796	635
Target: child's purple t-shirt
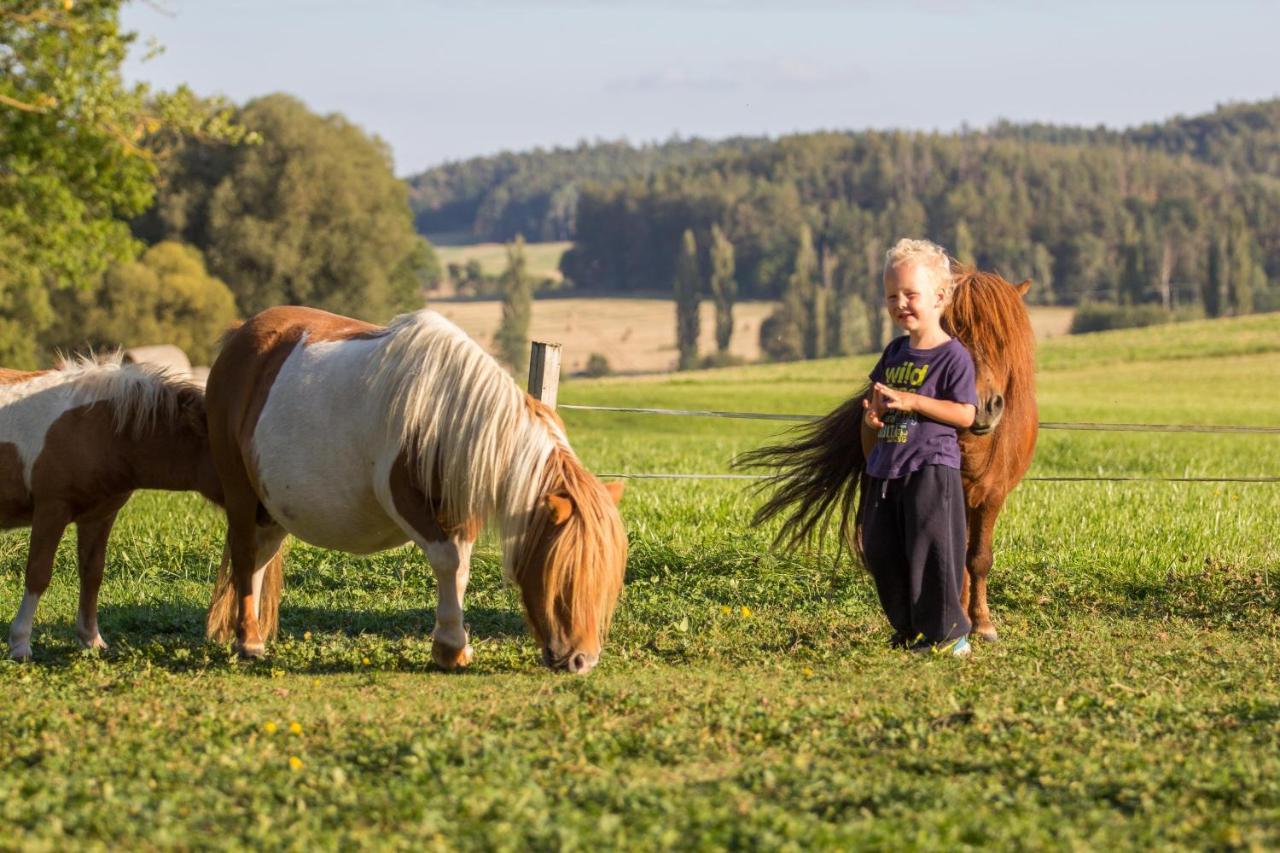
908	441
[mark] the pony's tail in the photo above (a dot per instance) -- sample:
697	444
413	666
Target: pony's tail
819	470
220	623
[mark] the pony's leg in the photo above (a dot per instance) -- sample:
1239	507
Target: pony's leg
451	562
48	522
978	560
242	542
267	539
91	541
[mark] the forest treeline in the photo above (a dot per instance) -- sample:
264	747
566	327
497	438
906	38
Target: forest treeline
1177	213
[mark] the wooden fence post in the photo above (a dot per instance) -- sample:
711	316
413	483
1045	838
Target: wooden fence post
544	371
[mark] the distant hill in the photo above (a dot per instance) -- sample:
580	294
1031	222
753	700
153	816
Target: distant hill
1185	211
535	192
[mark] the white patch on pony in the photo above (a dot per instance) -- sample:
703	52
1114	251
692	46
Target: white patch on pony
318	443
20	629
339	413
141	395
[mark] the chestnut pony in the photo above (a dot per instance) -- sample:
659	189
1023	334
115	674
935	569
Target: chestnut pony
74	444
359	438
820	471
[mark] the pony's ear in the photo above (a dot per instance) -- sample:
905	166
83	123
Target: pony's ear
560	506
1024	287
615	490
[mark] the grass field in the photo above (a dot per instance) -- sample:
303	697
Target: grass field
542	259
745	699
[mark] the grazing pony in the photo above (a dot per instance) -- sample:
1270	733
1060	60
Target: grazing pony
359	438
820	471
74	444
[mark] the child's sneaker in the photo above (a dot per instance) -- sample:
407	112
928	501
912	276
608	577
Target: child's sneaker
956	648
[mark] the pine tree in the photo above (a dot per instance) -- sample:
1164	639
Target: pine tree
724	289
686	295
512	338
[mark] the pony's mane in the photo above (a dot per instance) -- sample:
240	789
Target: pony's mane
142	397
480	445
591	539
988	316
463	422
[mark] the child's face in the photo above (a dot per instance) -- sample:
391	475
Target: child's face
912	297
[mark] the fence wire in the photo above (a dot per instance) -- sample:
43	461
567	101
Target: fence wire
1047	425
1062	425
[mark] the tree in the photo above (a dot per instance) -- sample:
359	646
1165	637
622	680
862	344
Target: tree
724	289
74	166
805	301
512	339
687	299
1215	289
964	243
313	215
164	297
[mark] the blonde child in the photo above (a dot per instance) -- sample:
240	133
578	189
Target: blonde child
923	391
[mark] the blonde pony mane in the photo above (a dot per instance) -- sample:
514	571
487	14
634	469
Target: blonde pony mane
142	397
464	424
481	446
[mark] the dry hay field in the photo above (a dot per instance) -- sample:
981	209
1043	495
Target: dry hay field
638	335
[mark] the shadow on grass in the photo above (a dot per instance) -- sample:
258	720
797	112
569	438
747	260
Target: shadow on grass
171	636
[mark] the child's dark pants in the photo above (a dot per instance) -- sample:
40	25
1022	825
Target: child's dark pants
913	535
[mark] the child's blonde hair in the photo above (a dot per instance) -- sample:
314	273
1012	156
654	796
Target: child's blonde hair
926	254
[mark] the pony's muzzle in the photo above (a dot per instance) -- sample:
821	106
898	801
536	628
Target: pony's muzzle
990	411
579	663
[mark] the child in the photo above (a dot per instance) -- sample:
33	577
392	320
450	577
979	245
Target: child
913	526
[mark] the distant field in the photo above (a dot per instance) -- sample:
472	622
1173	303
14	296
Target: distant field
635	335
638	335
543	258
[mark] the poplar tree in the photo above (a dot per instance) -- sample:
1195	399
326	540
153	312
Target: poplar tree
512	339
686	297
724	289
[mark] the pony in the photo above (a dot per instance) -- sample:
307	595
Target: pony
359	438
75	442
819	471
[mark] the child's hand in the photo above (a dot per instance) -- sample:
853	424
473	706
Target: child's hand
873	411
896	401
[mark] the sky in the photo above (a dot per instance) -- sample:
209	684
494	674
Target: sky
442	81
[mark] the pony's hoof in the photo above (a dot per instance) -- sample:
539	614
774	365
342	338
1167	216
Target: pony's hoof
94	643
986	633
449	657
251	651
20	652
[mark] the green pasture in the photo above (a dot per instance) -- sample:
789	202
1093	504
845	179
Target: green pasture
542	259
745	699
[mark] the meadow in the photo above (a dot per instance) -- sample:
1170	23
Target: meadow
745	698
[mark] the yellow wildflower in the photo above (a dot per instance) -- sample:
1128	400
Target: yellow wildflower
746	611
269	727
295	728
295	763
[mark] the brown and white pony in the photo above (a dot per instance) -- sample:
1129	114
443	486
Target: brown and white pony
817	475
74	444
359	438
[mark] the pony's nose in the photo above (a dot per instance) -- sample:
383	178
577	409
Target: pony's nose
581	663
989	414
